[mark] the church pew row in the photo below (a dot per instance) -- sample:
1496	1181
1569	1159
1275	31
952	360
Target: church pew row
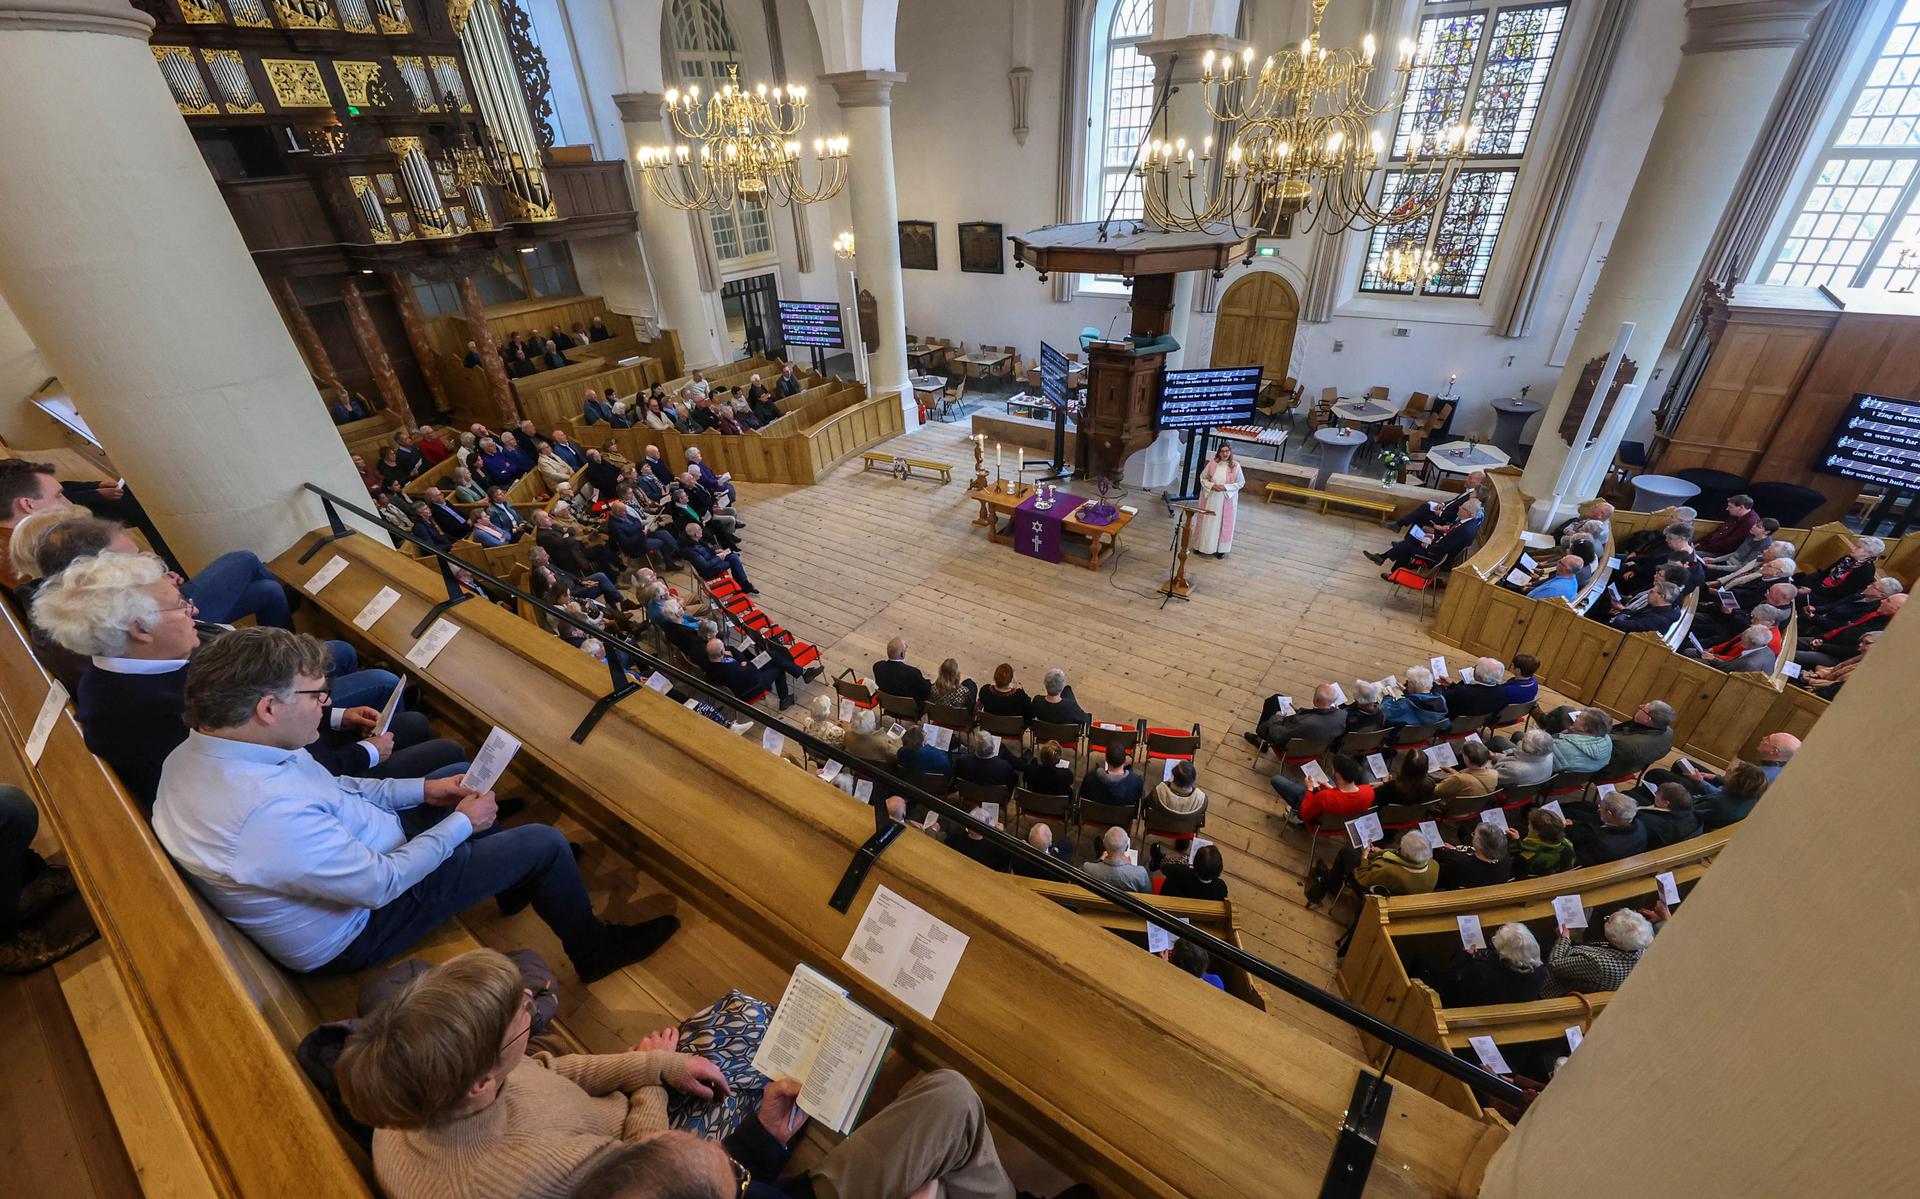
217	1016
1542	1023
759	846
1214	915
1399	937
551	399
1459	616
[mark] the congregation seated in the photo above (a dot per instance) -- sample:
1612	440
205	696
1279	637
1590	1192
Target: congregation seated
1779	549
1573	969
1113	867
788	384
981	765
1057	706
895	677
487	533
1438	544
918	757
1484	696
1606	831
1002	697
1525	760
1113	780
1411	782
1322	724
866	740
1748	550
1195	961
1733	532
1346	794
1046	772
1406	869
747	681
1642	741
1752	650
1836	609
822	726
1585	746
1545	849
1724	614
1771	756
1179	794
1418	703
335	875
1040	837
950	690
1475	776
1564	583
1733	799
1507	970
1849	575
1595	510
1483	862
1670	818
1834	641
719	485
1636	573
462	1108
1826	681
977	847
711	563
1521	686
1365	714
1656	615
1429	516
1195	879
125	614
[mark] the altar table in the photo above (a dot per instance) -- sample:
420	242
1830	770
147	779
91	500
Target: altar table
998	513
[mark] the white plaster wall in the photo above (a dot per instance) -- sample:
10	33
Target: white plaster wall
22	371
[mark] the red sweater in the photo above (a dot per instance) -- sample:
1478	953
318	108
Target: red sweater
1332	801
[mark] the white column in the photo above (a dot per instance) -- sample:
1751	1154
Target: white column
138	290
666	237
867	98
1736	54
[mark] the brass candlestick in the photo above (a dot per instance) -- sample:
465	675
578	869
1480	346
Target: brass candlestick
980	480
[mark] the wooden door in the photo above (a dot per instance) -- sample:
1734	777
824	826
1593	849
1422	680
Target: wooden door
1255	324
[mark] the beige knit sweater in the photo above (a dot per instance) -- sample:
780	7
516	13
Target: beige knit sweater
551	1116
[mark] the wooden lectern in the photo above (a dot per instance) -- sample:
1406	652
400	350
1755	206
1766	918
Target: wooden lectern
1177	586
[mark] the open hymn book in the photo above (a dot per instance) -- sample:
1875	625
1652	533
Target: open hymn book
827	1042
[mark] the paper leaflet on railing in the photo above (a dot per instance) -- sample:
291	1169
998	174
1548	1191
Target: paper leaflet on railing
907	950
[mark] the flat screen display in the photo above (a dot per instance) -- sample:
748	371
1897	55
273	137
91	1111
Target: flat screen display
1201	399
1053	375
811	323
1877	440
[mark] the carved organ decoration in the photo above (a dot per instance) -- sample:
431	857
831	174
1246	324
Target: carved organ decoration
251	14
306	14
536	81
182	73
420	84
202	12
392	16
376	216
229	73
423	186
446	76
296	83
355	16
361	84
502	102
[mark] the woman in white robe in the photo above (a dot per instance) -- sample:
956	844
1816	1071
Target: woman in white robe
1220	485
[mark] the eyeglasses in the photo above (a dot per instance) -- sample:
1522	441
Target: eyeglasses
185	605
741	1177
324	695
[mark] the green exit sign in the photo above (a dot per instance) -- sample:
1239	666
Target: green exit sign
1267	251
352	111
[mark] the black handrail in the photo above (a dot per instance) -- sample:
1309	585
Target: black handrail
618	647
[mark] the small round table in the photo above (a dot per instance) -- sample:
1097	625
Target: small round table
1336	452
1463	458
1654	492
1362	412
1510	417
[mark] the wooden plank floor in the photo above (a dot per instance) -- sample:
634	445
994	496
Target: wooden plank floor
860	558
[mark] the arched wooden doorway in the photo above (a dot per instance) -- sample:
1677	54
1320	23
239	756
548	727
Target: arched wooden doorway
1255	323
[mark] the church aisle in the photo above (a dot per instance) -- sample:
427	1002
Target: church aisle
861	558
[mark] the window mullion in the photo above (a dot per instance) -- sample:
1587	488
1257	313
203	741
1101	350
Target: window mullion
1896	216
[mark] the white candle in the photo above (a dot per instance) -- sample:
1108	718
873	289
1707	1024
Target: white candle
996	459
1020	465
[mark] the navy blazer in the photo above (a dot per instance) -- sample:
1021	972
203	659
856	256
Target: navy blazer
1647	620
628	532
1450	543
742	678
705	560
449	520
597	411
568	453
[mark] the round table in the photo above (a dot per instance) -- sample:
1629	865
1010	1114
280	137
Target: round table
1510	417
1362	412
1336	452
1654	492
1463	457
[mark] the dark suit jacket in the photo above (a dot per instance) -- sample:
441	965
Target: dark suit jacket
568	453
658	469
994	770
742	678
1451	543
1099	787
1066	711
1635	747
595	411
554	359
898	678
1843	641
1667	828
1648	619
431	534
1475	699
705	560
567	552
628	532
449	520
1594	843
788	386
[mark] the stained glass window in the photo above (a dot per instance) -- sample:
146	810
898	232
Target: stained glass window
1857	223
1480	63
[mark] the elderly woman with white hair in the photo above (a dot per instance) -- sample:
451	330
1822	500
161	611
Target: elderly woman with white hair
1574	969
1508	970
1847	577
1482	862
1525	760
1057	706
1418	704
1482	695
1364	714
865	740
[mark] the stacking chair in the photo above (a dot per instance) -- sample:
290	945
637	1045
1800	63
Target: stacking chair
949	717
1298	752
1567	785
850	688
1163	745
1068	735
1509	716
1461	727
1416	407
902	706
1097	818
1398	818
1177	827
1519	801
1099	738
1461	814
1055	810
1377	393
1007	728
1327	829
1416	736
973	794
952	394
1358	745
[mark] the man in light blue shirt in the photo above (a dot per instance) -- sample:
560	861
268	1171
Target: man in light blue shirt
1565	582
338	874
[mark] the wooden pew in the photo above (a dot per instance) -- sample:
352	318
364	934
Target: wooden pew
215	1014
1214	915
369	436
1511	1025
1580	650
1254	1097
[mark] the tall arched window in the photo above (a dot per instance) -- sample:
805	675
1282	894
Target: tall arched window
1858	220
1119	107
703	49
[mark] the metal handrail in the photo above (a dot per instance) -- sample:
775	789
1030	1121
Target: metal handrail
619	648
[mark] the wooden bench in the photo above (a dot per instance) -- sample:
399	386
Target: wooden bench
1256	1096
1326	498
903	468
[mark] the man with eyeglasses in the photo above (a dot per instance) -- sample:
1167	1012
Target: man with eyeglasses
337	874
125	611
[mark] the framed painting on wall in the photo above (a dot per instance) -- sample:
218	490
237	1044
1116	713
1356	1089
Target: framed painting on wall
980	249
918	250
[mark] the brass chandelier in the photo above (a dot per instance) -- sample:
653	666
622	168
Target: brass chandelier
748	149
1301	138
1407	264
